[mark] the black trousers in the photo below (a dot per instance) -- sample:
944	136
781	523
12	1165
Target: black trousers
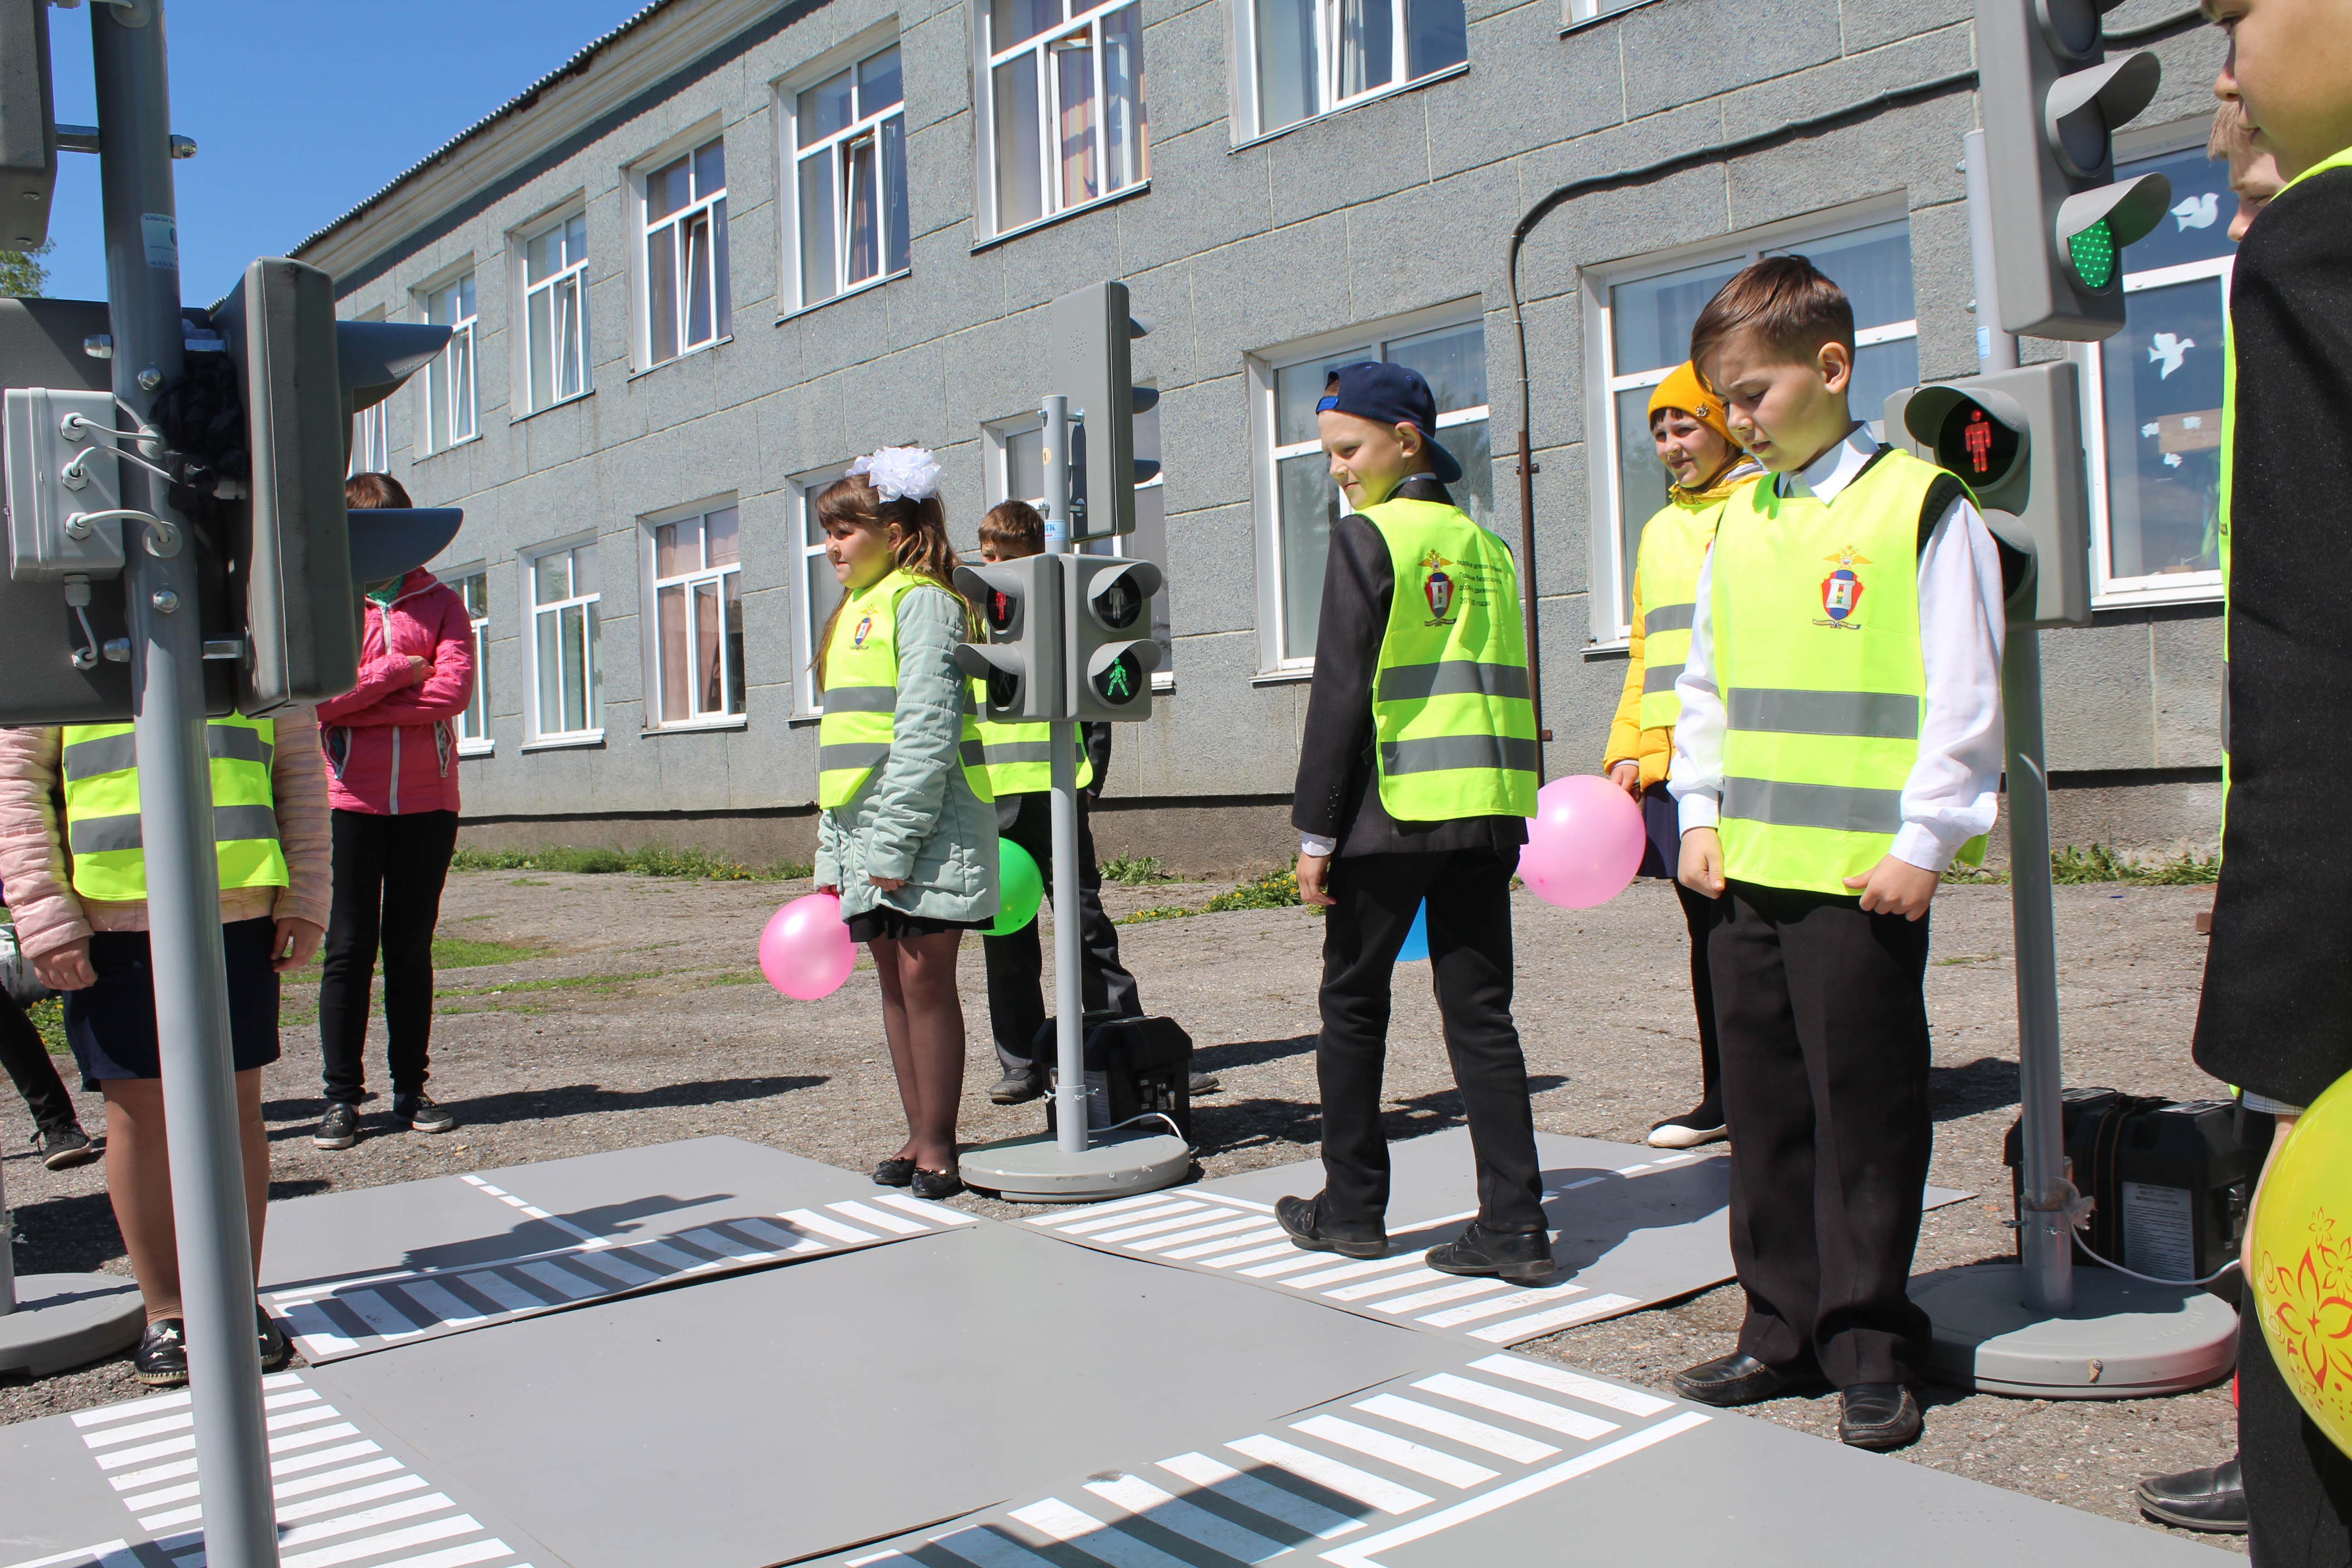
1824	1041
1699	915
388	876
1016	963
1469	895
2298	1484
29	1068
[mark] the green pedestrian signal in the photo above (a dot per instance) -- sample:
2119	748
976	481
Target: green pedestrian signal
2093	254
1111	648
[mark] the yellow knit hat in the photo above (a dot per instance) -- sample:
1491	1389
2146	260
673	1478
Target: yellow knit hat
1682	390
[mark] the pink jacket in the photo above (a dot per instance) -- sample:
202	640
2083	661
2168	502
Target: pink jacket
391	744
38	874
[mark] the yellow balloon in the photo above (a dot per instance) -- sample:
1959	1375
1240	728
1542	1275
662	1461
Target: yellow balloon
2303	1262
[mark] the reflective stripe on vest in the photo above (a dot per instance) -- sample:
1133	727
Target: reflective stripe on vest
1450	707
1816	641
1020	758
861	695
99	765
1674	544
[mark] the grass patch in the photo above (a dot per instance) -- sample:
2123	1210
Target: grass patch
1163	912
732	978
650	861
2072	867
1277	890
471	952
1136	870
49	1018
556	982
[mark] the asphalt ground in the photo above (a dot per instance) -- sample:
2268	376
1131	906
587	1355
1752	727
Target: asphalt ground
624	1010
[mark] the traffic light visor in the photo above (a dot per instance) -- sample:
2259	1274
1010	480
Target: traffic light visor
2094	225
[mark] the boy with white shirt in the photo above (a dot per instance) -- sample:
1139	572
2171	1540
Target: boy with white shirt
1839	742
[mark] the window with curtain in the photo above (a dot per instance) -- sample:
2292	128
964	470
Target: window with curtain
814	586
449	379
1064	94
849	141
555	311
1296	477
2154	391
1310	57
566	644
686	254
1645	319
473	723
370	441
698	584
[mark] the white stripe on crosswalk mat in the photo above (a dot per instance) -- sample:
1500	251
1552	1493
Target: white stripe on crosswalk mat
1173	1514
1351	1271
1225	1226
1260	1497
1093	1536
1330	1474
1461	1428
1358	1291
1249	1256
1227	1243
1458	1291
1516	1301
1402	1452
563	1281
1088	1221
1544	1322
938	1214
866	1213
1518	1406
824	1224
1575	1384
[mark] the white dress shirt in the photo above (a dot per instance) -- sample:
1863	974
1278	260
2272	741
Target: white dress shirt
1952	794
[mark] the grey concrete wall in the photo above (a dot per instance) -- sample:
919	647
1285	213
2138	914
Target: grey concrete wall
1397	204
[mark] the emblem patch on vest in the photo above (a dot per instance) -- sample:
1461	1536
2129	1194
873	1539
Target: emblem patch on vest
1437	588
1842	589
864	629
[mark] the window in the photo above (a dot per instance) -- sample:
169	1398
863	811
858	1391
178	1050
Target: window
2154	393
686	254
1297	504
1586	10
370	441
1645	319
1015	469
449	379
555	311
815	586
473	723
566	645
849	172
697	645
1305	57
1063	106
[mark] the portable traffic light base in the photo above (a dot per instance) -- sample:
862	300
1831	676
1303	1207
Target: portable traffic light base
2122	1338
52	1321
1037	1169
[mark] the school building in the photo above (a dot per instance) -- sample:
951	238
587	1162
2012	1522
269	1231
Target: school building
731	245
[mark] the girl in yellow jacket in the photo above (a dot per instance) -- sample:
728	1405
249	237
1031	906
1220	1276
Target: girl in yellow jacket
1687	422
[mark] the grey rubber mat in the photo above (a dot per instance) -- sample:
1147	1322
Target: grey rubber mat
1632	1227
350	1273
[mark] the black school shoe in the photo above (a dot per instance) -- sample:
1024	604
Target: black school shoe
162	1358
895	1172
63	1148
1481	1253
339	1129
419	1114
1301	1220
935	1184
1017	1088
1878	1416
1740	1379
275	1352
2213	1499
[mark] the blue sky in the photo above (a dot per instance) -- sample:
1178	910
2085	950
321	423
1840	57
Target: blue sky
300	110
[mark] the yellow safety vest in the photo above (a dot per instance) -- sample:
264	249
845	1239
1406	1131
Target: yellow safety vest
1455	729
1674	547
100	764
1815	612
1020	759
861	695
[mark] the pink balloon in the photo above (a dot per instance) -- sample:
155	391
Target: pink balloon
1584	842
805	951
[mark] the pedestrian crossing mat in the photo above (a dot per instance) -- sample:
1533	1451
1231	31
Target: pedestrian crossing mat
1502	1458
349	1273
1632	1227
118	1487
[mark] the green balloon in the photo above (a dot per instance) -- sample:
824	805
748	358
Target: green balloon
1022	888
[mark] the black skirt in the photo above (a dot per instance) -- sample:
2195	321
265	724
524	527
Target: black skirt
883	923
112	1025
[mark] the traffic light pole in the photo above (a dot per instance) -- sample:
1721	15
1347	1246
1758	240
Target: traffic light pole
1069	992
175	807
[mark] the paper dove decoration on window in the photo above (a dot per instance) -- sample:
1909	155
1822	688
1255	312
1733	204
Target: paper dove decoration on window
2198	212
2168	350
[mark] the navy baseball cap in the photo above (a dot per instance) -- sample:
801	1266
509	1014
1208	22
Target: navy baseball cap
1390	394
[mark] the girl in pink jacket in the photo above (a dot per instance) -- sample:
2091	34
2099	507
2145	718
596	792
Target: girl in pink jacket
391	747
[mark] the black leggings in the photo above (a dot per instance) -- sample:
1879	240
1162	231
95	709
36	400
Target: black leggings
388	876
27	1059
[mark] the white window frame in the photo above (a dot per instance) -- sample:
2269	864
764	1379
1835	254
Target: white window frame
471	744
652	583
371	440
440	379
542	738
1611	606
987	58
791	156
1266	457
1248	114
573	275
644	228
806	702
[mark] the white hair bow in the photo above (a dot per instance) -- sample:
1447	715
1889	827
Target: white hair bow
900	473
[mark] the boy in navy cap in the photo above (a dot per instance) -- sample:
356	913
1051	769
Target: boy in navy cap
1416	776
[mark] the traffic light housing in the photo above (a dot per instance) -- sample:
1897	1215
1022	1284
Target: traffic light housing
2015	437
1112	652
1020	664
301	376
28	131
2052	103
1091	330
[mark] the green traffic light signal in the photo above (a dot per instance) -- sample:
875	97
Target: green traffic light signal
2092	254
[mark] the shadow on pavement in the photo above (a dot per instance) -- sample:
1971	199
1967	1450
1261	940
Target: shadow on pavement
570	1100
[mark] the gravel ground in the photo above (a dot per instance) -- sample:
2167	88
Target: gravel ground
637	1019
